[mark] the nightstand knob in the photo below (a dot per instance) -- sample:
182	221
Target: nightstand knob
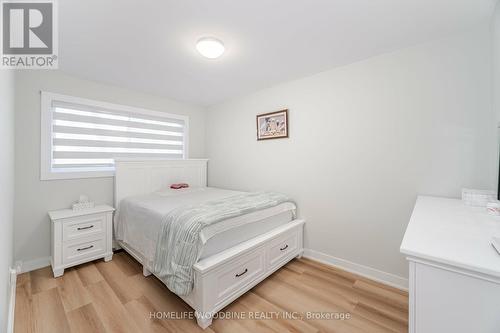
85	248
83	228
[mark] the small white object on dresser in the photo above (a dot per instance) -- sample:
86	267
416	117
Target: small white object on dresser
80	236
454	269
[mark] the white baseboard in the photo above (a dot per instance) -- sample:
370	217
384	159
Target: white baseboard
12	300
365	271
31	265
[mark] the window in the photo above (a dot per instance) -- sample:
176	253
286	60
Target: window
81	138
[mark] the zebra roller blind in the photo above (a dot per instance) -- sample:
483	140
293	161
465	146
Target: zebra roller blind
87	137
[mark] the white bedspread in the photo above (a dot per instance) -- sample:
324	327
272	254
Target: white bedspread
138	219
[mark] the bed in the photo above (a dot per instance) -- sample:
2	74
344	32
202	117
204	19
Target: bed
237	253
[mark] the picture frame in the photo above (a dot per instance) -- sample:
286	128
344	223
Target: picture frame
272	125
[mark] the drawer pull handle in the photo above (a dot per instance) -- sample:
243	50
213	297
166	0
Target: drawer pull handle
284	248
83	228
85	248
243	273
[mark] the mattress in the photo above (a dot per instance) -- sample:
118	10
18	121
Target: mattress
138	220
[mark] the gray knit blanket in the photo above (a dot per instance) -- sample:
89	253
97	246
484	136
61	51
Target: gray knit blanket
179	243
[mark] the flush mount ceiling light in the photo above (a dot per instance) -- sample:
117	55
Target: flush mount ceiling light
210	47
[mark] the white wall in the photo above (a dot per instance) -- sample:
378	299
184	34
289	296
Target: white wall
495	27
34	197
495	34
365	139
6	189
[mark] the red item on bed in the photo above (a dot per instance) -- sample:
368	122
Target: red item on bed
179	186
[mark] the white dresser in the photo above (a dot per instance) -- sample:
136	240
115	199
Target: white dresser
80	236
454	281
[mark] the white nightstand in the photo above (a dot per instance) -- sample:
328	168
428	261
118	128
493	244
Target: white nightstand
80	236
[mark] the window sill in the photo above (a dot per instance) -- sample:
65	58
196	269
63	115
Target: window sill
76	175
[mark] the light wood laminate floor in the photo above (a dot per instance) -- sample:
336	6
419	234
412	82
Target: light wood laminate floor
115	297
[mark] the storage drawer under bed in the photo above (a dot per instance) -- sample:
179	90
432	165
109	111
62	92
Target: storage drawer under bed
280	248
243	271
237	274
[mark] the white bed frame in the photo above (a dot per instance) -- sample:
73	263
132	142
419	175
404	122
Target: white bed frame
225	276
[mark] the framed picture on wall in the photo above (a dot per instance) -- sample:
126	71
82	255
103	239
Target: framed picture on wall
273	125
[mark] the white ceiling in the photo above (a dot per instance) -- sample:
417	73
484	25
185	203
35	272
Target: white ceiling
149	45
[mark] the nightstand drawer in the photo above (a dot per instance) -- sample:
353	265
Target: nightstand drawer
83	227
80	250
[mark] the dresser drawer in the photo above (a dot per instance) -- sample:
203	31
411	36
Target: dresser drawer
280	248
243	271
83	227
82	249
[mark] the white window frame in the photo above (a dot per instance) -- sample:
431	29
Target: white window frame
46	139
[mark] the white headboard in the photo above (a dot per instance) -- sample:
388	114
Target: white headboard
138	177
